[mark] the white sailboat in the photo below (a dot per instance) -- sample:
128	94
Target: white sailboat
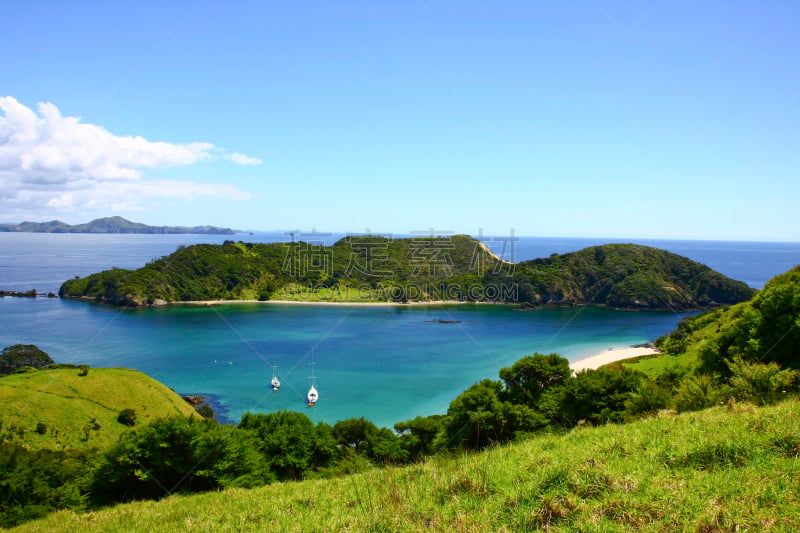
276	384
312	395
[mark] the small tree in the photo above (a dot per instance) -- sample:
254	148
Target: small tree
127	417
19	356
286	439
529	377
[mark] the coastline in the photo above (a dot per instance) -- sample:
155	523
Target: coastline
593	362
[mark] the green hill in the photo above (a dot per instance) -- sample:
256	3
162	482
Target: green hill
764	329
730	468
630	276
376	269
80	411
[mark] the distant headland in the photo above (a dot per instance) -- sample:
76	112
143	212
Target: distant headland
110	225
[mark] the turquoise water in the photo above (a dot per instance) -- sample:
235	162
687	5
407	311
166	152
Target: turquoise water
387	364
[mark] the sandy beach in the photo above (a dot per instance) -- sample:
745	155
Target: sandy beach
609	356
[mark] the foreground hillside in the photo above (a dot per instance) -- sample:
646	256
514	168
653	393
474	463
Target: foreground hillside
377	269
62	409
731	468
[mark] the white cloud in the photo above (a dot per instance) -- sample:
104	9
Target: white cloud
241	159
61	164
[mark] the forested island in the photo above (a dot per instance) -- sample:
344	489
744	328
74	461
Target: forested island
419	269
110	225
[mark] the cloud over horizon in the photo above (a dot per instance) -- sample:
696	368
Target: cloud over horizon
59	164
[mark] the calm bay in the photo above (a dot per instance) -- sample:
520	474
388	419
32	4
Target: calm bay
386	363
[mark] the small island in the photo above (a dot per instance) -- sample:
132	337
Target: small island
374	269
110	225
26	294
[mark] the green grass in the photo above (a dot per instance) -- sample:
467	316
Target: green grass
298	293
80	411
653	365
730	468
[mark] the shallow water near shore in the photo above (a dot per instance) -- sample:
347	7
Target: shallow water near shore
387	364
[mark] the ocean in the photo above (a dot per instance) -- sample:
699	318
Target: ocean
387	364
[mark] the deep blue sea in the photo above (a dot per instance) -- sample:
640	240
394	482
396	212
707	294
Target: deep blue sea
387	364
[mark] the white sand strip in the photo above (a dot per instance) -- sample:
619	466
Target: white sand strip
609	356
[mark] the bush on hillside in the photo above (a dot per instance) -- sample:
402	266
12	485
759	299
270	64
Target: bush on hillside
35	482
127	417
479	417
528	378
761	384
289	443
595	396
19	356
177	455
418	435
700	391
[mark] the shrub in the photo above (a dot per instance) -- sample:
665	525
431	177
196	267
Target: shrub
649	397
478	417
36	482
699	391
21	356
530	376
205	411
418	434
597	396
127	417
290	443
177	455
761	383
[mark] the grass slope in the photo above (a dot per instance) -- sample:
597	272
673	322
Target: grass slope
730	468
81	411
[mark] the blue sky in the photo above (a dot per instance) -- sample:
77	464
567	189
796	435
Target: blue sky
589	119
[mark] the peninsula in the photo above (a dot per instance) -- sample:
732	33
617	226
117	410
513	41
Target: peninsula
455	268
110	225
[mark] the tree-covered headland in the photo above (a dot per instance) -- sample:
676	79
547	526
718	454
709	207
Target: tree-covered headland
381	269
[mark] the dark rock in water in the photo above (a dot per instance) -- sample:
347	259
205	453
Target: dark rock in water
209	406
194	399
443	321
27	294
20	294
